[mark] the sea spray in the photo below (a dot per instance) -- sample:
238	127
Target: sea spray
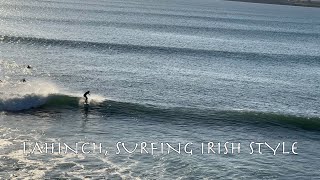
17	96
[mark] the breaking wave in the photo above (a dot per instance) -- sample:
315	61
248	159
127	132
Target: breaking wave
39	95
191	116
34	94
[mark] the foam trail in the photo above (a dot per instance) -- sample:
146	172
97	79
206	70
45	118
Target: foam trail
92	99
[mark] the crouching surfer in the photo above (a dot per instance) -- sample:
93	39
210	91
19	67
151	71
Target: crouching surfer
85	96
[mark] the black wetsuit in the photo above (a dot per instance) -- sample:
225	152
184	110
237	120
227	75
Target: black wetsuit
85	96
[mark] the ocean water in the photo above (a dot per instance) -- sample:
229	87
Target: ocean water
159	71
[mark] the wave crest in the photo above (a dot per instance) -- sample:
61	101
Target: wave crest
34	94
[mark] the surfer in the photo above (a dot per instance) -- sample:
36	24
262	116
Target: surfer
29	67
23	80
85	96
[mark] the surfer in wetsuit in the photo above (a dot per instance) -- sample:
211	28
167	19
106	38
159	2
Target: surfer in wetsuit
85	96
23	80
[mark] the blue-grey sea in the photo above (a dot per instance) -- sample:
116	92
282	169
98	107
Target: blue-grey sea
162	74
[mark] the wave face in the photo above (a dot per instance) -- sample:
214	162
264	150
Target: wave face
33	101
195	116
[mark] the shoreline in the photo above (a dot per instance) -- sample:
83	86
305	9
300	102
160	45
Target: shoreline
283	2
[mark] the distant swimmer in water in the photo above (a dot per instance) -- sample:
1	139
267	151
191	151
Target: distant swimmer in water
85	96
23	80
29	67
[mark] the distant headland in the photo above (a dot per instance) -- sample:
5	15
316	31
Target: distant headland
307	3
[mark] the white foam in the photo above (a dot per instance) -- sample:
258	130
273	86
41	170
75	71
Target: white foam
4	143
20	96
11	69
92	99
